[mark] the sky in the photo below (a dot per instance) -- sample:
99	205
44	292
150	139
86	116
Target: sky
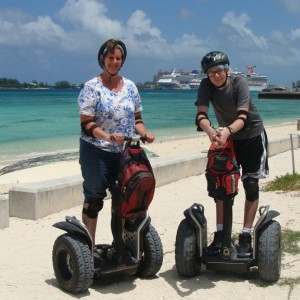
55	40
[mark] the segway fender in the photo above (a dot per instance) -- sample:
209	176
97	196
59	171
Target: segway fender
270	216
195	215
266	216
72	225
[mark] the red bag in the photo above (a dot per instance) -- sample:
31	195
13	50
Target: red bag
136	182
222	172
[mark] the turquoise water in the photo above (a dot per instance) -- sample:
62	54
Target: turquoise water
38	122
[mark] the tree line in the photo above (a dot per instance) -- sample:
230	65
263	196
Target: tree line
9	83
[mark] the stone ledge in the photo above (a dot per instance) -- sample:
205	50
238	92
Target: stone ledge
4	211
37	200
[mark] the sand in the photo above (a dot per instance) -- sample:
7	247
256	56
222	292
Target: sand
26	245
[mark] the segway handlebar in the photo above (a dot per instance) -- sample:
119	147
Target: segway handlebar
135	138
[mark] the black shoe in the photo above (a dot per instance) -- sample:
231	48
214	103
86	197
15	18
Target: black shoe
130	260
98	260
123	259
215	247
244	248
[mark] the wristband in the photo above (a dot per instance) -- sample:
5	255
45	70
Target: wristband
230	130
112	138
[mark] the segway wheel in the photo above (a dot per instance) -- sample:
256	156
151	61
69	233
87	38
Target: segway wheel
269	252
72	263
187	261
152	257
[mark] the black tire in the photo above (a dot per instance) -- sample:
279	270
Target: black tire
269	252
152	256
188	263
72	263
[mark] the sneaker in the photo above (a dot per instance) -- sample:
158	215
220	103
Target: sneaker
244	248
98	260
215	247
130	260
121	259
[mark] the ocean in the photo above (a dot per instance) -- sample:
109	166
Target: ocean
39	123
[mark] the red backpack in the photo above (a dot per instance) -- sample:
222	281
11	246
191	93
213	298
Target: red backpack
222	172
136	182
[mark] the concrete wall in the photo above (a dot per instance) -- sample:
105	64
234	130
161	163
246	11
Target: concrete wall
37	200
283	144
171	169
4	211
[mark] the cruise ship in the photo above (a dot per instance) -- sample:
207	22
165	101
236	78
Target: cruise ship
256	82
192	80
179	80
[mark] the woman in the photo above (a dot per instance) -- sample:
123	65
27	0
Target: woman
110	108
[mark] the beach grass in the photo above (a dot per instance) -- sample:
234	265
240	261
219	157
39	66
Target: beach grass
286	183
290	241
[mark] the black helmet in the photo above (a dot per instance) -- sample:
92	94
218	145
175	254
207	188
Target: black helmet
103	50
213	59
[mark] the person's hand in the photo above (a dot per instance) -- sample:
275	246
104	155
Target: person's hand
117	138
220	138
212	134
149	136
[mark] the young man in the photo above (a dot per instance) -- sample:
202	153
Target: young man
231	101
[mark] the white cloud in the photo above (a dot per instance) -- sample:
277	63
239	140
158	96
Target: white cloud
87	17
238	24
143	39
190	45
90	16
293	6
81	25
139	25
43	32
40	32
91	26
82	14
278	37
295	34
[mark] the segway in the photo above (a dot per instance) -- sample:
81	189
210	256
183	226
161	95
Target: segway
191	242
77	263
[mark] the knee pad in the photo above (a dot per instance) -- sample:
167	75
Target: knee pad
251	188
95	205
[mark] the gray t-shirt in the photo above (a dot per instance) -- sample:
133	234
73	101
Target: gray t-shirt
227	102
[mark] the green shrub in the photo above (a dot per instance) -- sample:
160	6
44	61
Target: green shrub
288	182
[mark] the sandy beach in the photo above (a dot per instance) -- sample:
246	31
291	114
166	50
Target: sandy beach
26	245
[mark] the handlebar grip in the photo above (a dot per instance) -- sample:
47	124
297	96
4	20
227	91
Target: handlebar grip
135	138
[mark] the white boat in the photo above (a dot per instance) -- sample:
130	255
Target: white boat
168	83
195	83
179	80
183	80
256	82
185	86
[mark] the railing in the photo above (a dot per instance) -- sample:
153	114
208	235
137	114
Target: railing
292	149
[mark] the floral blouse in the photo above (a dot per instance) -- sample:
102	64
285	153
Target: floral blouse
113	112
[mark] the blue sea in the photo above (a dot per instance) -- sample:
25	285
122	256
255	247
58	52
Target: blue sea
35	123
